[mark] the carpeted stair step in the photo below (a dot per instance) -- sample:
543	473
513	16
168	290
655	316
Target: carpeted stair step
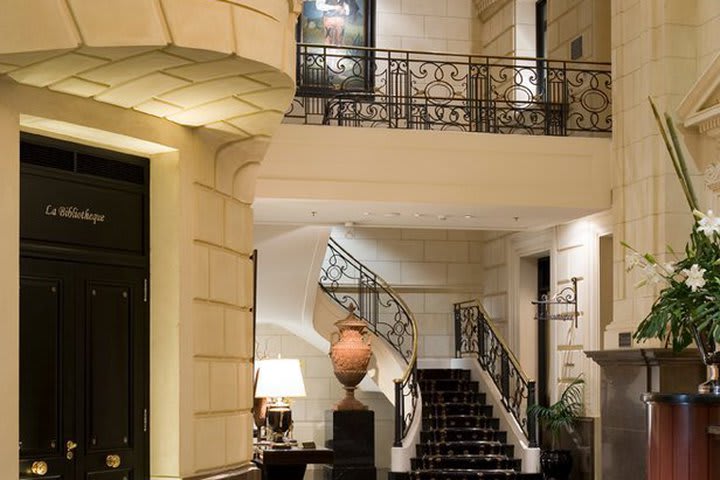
449	474
470	462
443	374
465	448
440	409
462	435
438	397
457	421
448	385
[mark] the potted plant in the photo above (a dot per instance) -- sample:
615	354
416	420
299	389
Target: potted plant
687	308
555	463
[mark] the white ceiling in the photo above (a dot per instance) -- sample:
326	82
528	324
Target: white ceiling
410	215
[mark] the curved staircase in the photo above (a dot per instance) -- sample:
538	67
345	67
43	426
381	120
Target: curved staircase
460	438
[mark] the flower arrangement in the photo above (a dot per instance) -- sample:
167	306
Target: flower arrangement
688	306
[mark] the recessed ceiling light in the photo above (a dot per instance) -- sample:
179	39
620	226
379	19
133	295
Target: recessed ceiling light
417	215
469	217
442	217
367	214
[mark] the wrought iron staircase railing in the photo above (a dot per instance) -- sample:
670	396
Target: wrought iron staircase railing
349	282
475	335
371	87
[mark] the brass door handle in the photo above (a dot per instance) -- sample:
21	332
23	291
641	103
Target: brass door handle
39	468
70	446
112	461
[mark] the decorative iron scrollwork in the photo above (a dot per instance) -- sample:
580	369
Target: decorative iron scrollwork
365	87
561	306
476	336
350	283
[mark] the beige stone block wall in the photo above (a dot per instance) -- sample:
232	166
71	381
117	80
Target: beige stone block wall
569	19
497	32
221	327
429	269
659	49
425	25
310	414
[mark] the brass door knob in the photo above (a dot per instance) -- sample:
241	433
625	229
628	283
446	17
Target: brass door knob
70	446
39	468
112	461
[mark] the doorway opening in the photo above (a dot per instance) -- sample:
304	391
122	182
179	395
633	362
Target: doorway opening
84	312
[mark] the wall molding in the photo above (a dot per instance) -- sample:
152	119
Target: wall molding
487	8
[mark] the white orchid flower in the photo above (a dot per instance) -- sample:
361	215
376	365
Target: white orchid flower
695	277
632	260
708	223
654	276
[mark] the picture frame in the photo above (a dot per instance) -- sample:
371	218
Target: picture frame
335	40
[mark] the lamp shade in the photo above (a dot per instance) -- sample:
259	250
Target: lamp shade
279	377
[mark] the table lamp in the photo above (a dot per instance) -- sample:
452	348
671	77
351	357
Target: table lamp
278	380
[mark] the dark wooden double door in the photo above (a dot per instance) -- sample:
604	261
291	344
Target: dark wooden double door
83	368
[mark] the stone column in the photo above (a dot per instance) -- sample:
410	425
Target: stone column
222	299
9	285
652	54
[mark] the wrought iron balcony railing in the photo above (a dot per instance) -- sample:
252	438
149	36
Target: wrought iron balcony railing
365	87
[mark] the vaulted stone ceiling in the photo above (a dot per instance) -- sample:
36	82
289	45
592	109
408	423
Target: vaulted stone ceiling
226	65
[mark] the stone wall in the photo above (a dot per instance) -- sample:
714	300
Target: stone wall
429	269
658	49
426	25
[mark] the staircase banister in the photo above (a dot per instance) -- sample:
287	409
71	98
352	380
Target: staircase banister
342	266
413	359
513	359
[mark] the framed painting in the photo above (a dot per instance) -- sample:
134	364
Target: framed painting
333	40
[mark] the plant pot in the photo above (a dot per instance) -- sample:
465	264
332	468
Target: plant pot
711	359
556	464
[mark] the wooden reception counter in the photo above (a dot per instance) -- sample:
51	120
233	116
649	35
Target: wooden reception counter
683	436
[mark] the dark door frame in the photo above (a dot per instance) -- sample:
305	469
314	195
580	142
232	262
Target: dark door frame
120	173
543	288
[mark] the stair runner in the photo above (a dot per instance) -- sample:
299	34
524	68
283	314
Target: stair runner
460	438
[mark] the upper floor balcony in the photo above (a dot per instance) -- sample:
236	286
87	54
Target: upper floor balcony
400	89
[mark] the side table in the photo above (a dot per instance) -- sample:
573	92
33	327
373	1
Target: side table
290	464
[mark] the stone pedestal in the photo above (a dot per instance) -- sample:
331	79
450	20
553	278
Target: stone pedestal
625	376
352	437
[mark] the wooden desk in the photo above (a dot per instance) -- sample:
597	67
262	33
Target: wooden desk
290	464
683	436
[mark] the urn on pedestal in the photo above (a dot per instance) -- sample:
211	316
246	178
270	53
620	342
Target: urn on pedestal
350	354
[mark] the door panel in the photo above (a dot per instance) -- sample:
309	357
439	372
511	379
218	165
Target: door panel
114	318
41	365
45	385
84	356
109	367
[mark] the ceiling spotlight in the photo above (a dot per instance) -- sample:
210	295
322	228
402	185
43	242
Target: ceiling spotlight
417	215
468	217
442	217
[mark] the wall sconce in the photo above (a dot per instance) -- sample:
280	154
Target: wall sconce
279	380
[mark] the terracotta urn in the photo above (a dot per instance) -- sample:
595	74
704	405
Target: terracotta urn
350	354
